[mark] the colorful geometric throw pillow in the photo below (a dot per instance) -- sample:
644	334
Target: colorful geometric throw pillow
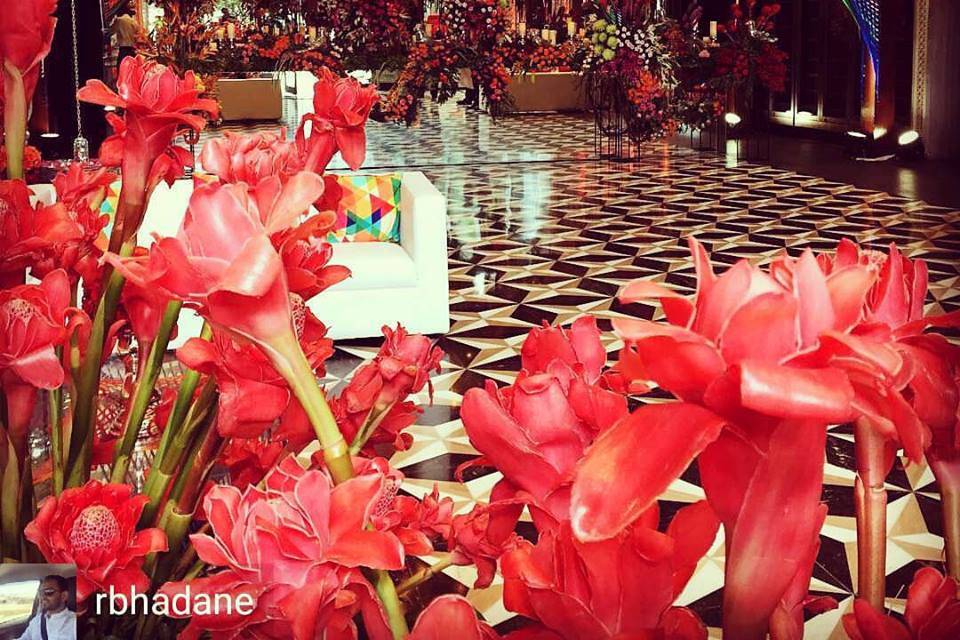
369	209
109	205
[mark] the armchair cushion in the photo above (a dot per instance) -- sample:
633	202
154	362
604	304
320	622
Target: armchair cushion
374	265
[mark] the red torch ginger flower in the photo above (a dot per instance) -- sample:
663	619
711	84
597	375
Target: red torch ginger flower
78	188
295	547
308	270
78	251
32	318
252	394
249	459
734	355
933	613
377	392
890	362
617	588
28	233
251	157
25	39
536	430
32	324
578	347
414	522
95	527
483	535
450	616
156	103
223	263
341	107
907	388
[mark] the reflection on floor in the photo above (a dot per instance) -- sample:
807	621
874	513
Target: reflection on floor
540	232
452	135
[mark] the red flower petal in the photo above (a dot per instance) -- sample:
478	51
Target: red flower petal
374	549
604	500
447	616
763	329
694	529
786	392
778	518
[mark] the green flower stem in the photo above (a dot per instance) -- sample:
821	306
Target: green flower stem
195	569
175	523
424	574
288	358
55	411
374	418
387	592
178	511
163	469
871	508
950	502
14	119
146	381
88	384
184	399
10	531
203	455
289	361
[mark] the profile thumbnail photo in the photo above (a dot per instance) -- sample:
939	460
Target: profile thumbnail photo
38	602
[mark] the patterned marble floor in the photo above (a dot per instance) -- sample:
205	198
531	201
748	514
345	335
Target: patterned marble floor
541	231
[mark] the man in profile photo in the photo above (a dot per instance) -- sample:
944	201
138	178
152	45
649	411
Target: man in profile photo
54	620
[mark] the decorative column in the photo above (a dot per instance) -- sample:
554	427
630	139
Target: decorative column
936	82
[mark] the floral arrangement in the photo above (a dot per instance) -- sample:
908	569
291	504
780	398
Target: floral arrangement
657	75
315	59
544	56
181	38
747	52
471	35
432	66
253	50
370	33
304	521
632	67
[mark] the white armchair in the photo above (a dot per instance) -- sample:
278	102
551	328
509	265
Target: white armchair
402	283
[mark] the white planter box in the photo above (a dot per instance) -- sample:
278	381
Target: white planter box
548	91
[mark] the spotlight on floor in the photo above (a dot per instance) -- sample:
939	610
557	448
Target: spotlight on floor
910	146
857	142
879	132
50	135
732	121
907	138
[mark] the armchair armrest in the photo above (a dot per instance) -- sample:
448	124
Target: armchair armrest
423	225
